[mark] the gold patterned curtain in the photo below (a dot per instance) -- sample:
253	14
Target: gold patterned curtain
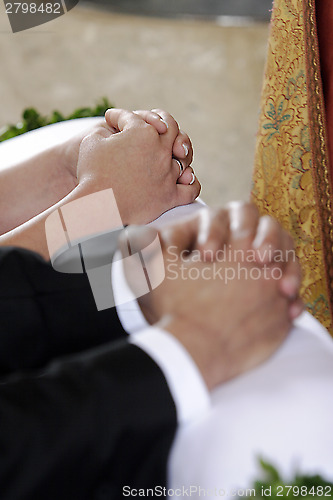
292	178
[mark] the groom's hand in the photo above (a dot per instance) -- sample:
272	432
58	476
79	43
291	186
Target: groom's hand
222	297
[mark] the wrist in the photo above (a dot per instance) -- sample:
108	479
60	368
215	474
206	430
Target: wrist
68	153
148	312
70	149
196	342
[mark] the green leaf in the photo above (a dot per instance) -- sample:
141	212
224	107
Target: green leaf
57	117
32	119
273	487
271	471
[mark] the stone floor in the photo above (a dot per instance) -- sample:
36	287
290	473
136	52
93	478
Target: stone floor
208	76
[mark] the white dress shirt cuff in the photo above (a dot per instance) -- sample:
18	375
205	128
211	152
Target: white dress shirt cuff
186	384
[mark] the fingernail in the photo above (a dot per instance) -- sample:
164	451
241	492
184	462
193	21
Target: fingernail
193	179
238	226
204	225
239	232
185	148
258	241
165	123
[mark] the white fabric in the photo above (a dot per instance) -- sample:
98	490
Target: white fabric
24	146
183	377
282	410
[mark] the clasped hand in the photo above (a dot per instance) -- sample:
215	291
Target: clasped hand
230	326
134	154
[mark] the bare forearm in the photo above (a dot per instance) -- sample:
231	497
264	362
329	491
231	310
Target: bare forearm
31	234
30	187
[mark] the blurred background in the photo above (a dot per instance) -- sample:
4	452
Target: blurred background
202	60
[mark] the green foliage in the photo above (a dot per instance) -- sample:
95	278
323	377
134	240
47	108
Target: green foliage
302	486
32	119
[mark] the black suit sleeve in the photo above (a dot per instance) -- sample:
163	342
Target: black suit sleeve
86	427
87	424
45	314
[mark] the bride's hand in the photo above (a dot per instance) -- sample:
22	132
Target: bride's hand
138	164
182	148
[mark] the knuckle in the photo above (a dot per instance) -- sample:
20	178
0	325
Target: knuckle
248	208
148	132
91	139
101	131
158	111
